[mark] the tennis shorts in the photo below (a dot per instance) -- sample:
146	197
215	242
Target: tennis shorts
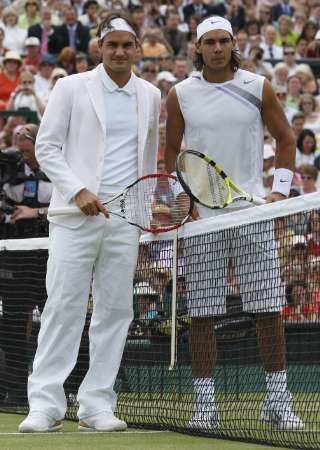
243	259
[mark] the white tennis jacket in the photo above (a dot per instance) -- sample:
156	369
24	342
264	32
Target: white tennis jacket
71	140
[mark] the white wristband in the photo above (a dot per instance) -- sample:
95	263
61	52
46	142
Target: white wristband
282	181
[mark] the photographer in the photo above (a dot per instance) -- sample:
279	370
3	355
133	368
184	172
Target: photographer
28	189
262	68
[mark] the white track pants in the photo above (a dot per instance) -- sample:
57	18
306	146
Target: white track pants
109	249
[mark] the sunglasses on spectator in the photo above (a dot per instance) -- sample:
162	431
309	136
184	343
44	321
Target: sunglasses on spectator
57	77
31	3
27	82
306	177
288	53
149	70
164	58
281	94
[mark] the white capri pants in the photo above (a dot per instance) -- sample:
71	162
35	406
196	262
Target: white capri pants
108	249
256	268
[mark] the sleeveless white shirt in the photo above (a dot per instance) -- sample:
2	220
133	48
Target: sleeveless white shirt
223	120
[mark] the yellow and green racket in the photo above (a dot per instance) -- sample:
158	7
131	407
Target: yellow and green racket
207	183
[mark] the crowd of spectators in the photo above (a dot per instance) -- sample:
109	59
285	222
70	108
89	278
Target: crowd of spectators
41	42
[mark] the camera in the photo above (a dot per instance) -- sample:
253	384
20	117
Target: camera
11	171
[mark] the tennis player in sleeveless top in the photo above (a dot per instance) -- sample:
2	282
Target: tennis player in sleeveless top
221	111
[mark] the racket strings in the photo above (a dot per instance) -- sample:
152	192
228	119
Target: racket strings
205	183
156	203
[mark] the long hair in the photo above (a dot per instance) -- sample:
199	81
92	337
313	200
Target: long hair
235	60
117	14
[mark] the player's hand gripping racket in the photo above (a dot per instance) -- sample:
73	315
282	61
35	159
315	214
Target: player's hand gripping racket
206	182
155	203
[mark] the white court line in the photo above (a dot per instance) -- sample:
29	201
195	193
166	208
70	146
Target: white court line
79	433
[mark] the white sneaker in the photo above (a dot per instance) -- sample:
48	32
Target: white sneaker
279	413
105	421
36	422
205	418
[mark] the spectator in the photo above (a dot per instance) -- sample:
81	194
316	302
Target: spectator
15	36
73	33
261	67
31	15
154	45
306	147
265	15
57	73
192	28
281	93
180	70
297	299
294	89
94	53
309	31
309	105
9	76
42	77
81	63
24	96
309	176
146	302
253	30
176	38
3	49
268	167
138	17
200	9
33	55
297	123
282	7
313	233
280	74
67	60
236	15
47	34
271	50
315	13
299	19
301	48
243	43
165	81
149	72
166	63
90	16
313	50
285	35
312	310
289	58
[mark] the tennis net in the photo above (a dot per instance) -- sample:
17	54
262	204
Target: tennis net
252	270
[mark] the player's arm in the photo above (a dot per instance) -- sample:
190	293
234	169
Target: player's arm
174	130
279	128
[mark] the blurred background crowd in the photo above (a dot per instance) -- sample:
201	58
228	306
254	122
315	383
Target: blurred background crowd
41	42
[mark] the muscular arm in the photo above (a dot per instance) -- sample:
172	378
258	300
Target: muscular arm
175	129
279	128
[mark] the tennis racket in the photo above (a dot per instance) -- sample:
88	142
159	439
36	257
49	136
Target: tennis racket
206	182
155	203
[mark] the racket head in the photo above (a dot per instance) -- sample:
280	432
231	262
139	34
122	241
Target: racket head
156	203
203	180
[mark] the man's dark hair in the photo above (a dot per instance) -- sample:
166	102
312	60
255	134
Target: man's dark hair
117	14
235	60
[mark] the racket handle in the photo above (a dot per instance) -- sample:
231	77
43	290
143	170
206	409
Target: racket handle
258	200
64	210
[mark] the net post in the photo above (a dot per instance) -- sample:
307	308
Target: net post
173	347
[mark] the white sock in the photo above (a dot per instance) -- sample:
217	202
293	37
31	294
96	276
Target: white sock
276	384
204	389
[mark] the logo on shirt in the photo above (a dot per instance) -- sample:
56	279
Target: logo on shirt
247	81
283	181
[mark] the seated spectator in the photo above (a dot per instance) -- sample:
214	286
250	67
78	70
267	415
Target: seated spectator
94	53
282	94
289	58
57	73
301	48
308	32
308	105
243	43
24	96
313	233
15	36
165	81
297	123
271	50
42	77
261	67
90	14
72	33
149	72
31	15
297	300
285	34
81	62
306	147
47	33
32	195
67	60
309	176
281	8
3	49
236	15
9	76
312	312
176	38
299	19
153	44
146	302
201	9
180	70
192	28
294	91
280	74
253	30
32	56
265	15
268	167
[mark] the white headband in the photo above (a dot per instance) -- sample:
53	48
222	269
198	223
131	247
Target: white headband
117	24
213	23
